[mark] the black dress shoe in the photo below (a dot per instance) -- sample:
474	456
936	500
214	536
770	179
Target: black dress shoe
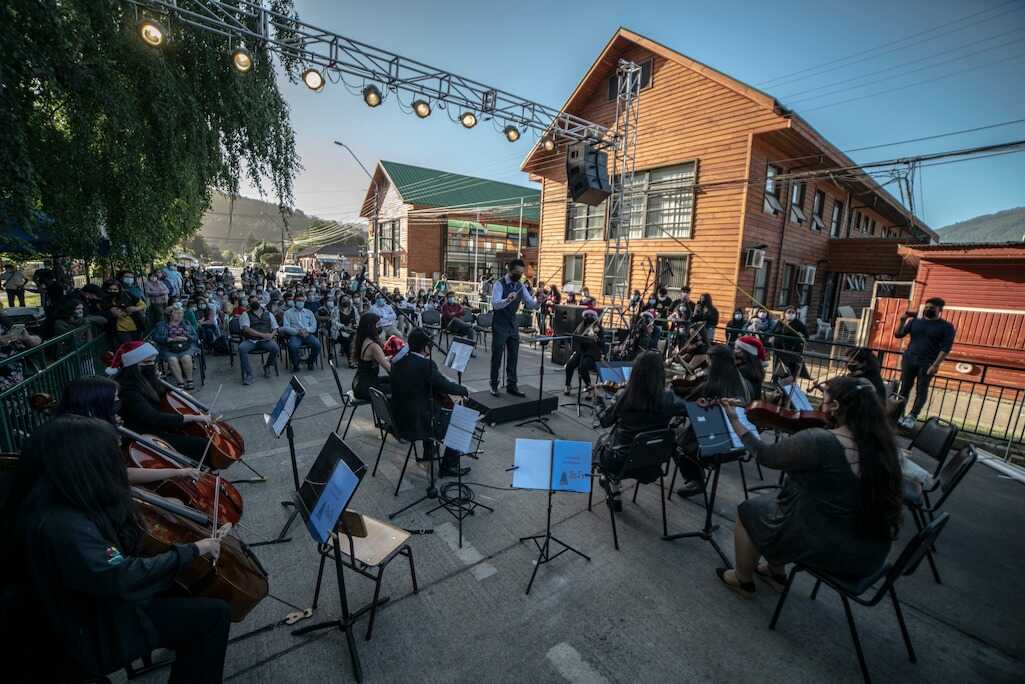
452	472
494	391
515	391
689	488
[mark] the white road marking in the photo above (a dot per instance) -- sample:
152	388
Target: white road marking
571	666
328	400
468	554
310	379
391	472
284	449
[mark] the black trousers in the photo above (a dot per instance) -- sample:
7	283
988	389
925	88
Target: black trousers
504	341
196	629
13	295
690	470
914	373
586	365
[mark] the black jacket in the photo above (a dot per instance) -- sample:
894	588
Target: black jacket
414	380
142	415
89	589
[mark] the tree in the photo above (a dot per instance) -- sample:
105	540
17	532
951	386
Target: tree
102	132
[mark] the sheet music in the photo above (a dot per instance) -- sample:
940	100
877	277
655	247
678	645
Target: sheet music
742	417
798	399
458	356
461	427
571	466
282	412
532	460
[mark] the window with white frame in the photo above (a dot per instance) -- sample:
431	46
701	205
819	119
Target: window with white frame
617	270
573	271
797	202
659	203
672	272
585	222
836	220
818	206
771	203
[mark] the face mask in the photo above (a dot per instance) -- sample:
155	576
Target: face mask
128	281
192	307
515	277
202	306
330	305
78	314
762	315
153	279
738	316
791	316
451	300
380	301
651	301
930	313
299	304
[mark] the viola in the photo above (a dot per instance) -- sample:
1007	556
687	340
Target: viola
226	444
682	386
237	577
767	416
147	451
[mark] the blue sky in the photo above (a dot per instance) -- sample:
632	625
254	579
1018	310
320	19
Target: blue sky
975	66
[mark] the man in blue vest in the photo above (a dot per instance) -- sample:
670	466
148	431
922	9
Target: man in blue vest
506	296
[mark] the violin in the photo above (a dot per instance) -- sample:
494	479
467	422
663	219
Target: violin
226	444
147	451
768	416
236	577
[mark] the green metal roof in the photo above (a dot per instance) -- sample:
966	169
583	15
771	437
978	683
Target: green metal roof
433	188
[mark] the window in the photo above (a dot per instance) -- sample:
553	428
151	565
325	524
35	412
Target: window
786	285
855	223
584	222
388	237
855	282
573	270
797	202
771	204
762	283
645	80
672	272
872	227
818	205
836	220
658	203
614	282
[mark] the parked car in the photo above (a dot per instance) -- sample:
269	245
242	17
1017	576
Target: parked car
289	273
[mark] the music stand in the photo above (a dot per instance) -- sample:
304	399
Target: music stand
541	419
717	443
280	421
536	461
580	342
322	500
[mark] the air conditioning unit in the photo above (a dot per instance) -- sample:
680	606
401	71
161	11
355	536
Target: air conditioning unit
806	276
754	258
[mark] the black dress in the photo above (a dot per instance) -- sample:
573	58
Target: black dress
367	376
143	415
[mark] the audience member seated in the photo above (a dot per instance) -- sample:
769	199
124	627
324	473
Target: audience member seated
301	328
176	340
259	330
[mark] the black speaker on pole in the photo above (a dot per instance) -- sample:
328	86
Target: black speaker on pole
587	175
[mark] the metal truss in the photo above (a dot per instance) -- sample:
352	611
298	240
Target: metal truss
251	23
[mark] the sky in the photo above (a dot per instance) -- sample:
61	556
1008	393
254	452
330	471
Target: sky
863	74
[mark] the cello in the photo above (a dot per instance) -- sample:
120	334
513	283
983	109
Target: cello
226	444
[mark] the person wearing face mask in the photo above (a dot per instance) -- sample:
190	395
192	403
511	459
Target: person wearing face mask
666	305
190	310
174	279
263	296
156	293
707	314
301	328
387	318
176	339
788	342
506	296
736	326
259	328
209	322
749	356
452	313
130	284
124	313
347	317
931	341
762	324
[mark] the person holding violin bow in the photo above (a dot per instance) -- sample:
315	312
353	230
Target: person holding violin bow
586	358
418	387
104	604
788	340
134	364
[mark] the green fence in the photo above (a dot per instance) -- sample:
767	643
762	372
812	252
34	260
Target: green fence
45	368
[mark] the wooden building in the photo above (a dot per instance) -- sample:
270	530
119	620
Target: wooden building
711	207
341	256
425	222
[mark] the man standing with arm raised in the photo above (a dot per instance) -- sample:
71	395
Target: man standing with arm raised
506	296
931	340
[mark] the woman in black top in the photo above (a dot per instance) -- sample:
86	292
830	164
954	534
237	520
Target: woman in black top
644	404
788	341
347	321
840	509
863	363
735	327
104	605
749	356
706	312
589	354
370	357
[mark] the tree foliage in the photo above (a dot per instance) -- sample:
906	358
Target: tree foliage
99	130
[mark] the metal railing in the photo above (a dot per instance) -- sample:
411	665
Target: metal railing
47	368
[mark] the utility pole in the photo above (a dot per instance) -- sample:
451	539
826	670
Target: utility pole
373	213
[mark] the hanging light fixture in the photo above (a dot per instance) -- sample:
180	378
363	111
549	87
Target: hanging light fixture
241	60
468	119
548	143
314	80
152	32
422	108
512	134
372	96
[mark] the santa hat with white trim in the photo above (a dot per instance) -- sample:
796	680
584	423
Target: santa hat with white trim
753	346
129	354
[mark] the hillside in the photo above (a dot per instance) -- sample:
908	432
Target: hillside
1003	226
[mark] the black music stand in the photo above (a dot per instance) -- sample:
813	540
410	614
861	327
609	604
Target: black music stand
541	419
280	421
580	342
715	446
322	500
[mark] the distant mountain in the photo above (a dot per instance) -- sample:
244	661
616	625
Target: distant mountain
251	221
1003	226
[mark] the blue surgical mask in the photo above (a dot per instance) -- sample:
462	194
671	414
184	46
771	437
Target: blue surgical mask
299	303
380	301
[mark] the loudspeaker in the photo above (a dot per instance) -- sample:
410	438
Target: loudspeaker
587	176
561	351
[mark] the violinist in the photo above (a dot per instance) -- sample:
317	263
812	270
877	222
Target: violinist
789	340
863	363
134	365
415	380
370	357
707	314
105	605
749	356
666	305
840	508
586	358
642	337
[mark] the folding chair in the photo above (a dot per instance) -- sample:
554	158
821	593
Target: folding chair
430	320
954	470
381	407
852	590
349	401
483	327
935	439
647	450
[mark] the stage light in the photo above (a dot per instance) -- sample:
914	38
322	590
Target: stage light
422	108
372	96
152	32
314	80
241	60
468	119
548	143
512	134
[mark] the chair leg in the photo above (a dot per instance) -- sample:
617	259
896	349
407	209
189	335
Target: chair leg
856	640
373	603
782	598
590	491
758	467
919	517
815	589
345	407
612	517
407	551
637	486
662	500
672	481
903	627
384	438
412	448
743	478
352	414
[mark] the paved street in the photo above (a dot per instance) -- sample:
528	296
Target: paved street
651	612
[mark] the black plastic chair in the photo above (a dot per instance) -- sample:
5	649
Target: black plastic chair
349	401
954	470
849	590
235	339
482	327
381	407
935	439
647	450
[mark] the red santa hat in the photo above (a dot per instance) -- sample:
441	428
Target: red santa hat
129	354
753	346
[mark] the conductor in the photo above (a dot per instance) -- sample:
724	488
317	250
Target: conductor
506	296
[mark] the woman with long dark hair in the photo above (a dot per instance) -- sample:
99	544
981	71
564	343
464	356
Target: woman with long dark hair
862	362
369	357
840	509
588	353
104	605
